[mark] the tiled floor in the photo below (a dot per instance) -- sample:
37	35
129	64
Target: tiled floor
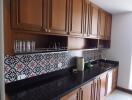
118	95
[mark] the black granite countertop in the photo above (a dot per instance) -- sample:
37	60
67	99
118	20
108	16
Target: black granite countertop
55	85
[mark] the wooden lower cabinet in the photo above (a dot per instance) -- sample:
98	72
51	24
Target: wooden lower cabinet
102	86
86	92
97	89
114	78
74	95
109	81
83	93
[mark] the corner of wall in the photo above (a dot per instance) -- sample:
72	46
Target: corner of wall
130	79
121	48
2	89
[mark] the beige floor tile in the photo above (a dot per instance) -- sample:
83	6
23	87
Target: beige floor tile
119	95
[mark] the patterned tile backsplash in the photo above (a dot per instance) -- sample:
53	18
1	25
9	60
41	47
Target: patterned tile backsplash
36	64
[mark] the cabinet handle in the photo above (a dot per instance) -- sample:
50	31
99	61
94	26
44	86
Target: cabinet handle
45	30
81	94
92	95
49	30
106	84
97	96
77	96
99	86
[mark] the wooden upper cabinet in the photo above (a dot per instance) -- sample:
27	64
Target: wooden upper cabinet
102	25
72	17
87	91
27	14
74	95
76	17
94	14
108	26
57	17
86	31
102	85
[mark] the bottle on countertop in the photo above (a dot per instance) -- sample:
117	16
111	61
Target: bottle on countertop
80	63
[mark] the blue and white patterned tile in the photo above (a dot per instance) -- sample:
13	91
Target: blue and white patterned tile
41	63
26	59
38	57
11	75
11	61
6	68
20	66
38	69
48	56
32	64
26	71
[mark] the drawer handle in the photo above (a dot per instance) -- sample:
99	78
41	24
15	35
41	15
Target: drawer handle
45	30
49	30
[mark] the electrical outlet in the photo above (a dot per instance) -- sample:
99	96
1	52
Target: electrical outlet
22	76
59	65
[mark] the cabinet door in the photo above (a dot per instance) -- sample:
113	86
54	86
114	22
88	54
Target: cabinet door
76	17
58	12
94	21
108	26
87	19
7	97
109	82
87	92
27	15
102	25
95	90
115	77
72	96
102	86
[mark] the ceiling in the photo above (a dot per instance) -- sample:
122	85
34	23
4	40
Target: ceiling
114	6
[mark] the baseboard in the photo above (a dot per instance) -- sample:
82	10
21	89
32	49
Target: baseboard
124	90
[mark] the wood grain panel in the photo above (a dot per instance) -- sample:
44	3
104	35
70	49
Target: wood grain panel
86	93
115	77
8	34
108	26
102	24
103	82
87	19
94	21
76	17
30	12
72	96
27	14
58	16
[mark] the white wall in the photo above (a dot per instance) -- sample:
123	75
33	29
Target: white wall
2	92
121	47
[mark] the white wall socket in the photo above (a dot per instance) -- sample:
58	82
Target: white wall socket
59	65
22	76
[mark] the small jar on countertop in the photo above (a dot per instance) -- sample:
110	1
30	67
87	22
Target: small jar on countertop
80	63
